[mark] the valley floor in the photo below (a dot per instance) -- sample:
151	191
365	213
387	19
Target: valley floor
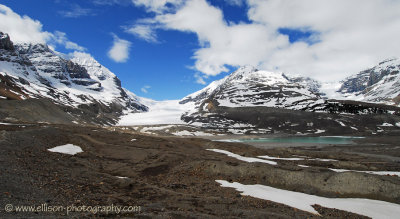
175	177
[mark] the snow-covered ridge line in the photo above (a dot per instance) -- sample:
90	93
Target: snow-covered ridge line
71	80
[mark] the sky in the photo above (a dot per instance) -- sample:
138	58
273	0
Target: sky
167	49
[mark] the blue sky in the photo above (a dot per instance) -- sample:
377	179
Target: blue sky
162	66
176	47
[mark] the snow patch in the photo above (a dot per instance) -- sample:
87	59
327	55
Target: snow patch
188	133
279	158
246	159
382	173
66	149
319	131
304	202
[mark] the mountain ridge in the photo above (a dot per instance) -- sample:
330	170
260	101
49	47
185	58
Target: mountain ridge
36	71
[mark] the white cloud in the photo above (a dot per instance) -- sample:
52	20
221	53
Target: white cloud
143	31
26	30
234	2
158	6
352	35
21	29
61	38
145	89
119	51
112	2
200	78
77	11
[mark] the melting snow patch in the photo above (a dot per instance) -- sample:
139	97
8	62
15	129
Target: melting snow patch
319	131
228	140
341	123
387	124
122	177
383	173
295	158
302	201
187	133
280	158
353	128
246	159
303	165
133	139
321	159
67	149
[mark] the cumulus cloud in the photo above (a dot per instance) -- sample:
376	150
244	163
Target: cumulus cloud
145	89
22	29
351	35
119	51
77	11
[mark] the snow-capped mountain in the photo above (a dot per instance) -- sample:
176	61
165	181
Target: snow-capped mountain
254	101
36	71
380	84
247	87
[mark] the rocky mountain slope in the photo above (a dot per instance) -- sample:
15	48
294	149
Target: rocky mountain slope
35	71
253	101
248	87
380	84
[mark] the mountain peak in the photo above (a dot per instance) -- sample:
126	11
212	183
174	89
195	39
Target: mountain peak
78	81
380	83
5	42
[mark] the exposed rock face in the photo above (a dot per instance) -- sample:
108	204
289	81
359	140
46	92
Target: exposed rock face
76	71
378	84
5	42
80	82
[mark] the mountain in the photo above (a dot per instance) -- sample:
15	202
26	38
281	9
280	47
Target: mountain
247	87
34	71
253	102
379	84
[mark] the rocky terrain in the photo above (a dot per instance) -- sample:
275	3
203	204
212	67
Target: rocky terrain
173	177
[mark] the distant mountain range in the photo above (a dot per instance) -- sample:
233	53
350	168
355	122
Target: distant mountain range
83	88
254	101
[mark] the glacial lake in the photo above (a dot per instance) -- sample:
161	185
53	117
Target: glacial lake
299	139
